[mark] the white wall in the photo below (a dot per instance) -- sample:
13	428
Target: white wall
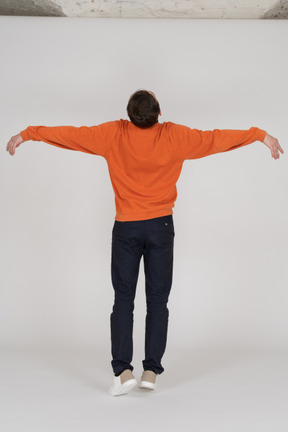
57	206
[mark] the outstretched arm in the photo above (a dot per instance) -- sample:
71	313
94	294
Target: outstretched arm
196	143
93	139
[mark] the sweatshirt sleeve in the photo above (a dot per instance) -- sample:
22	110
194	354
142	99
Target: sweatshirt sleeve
195	143
95	140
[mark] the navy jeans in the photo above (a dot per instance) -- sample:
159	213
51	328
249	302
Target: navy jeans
154	239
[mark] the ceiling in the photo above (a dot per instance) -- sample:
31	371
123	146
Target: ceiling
205	9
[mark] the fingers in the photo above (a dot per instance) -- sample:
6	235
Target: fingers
275	151
12	144
10	147
275	148
280	148
273	144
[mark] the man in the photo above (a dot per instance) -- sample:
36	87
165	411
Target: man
145	159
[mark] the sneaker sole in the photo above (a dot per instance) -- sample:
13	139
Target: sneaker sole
147	384
123	389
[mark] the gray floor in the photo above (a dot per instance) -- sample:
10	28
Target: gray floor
66	390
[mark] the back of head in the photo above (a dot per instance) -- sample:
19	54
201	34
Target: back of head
143	109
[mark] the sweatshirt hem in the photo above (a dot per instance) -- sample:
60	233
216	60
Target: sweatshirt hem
125	217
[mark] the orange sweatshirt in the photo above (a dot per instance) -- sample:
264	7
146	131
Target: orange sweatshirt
144	164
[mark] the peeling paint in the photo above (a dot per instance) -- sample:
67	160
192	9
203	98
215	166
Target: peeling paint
31	8
277	11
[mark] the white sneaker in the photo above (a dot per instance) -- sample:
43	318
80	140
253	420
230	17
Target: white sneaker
123	383
148	380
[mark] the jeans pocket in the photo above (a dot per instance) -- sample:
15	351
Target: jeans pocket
164	225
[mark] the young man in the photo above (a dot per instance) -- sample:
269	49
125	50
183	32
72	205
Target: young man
145	159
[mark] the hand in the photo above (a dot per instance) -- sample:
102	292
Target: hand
14	142
273	145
